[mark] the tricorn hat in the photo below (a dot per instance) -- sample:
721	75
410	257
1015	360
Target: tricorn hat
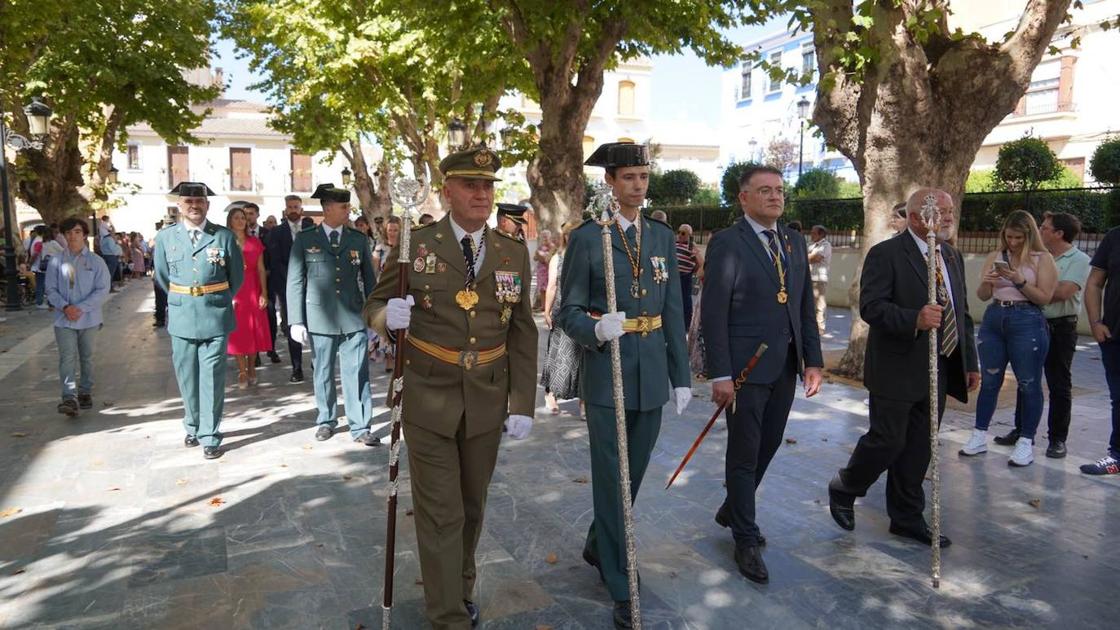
329	192
619	154
191	189
514	212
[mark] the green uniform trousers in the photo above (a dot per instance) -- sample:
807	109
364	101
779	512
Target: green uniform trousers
450	477
200	369
348	351
606	539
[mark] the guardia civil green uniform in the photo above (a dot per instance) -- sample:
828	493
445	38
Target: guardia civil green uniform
329	277
470	360
654	356
201	274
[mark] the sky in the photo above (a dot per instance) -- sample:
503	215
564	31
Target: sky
683	86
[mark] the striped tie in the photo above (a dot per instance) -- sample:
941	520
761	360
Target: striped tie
948	318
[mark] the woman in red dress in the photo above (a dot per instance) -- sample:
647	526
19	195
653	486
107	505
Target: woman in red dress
251	335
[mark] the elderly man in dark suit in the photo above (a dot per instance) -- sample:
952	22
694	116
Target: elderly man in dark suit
757	290
893	300
278	248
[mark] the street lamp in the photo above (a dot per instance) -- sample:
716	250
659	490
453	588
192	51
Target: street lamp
38	123
507	136
114	176
347	176
456	135
752	144
802	113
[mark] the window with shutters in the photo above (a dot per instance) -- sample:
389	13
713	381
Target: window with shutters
301	172
745	90
133	157
625	98
178	166
240	168
775	62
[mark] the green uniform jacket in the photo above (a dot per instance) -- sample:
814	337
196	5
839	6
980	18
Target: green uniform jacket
650	363
324	293
438	394
215	258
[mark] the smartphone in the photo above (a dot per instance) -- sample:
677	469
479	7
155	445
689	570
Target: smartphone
1000	265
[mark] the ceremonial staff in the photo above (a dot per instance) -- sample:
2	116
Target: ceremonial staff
737	384
408	193
609	207
931	214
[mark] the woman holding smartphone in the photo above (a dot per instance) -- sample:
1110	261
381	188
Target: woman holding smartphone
1018	278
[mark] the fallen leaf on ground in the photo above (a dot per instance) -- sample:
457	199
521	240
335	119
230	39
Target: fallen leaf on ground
283	465
19	434
551	558
1035	503
216	501
579	480
180	482
791	440
12	511
113	489
18	571
307	447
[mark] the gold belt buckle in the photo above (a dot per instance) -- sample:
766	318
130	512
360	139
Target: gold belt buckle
468	359
196	290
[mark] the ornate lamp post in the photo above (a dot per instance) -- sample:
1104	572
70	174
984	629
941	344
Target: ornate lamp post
347	176
456	135
38	123
802	114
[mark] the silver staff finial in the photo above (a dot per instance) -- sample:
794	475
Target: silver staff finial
931	214
409	192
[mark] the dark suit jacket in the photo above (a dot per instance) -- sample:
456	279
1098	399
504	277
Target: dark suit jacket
893	289
278	250
739	308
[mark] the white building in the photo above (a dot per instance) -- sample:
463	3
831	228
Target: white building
757	110
689	145
1070	101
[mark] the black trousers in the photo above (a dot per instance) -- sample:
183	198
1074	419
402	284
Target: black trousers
754	433
1059	377
295	349
161	303
273	304
898	444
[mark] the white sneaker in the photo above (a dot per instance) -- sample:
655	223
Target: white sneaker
977	444
1023	454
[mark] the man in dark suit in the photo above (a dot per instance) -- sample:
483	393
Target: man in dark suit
757	290
278	249
894	302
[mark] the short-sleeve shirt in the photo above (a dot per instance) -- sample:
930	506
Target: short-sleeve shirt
818	271
1073	266
1107	259
686	258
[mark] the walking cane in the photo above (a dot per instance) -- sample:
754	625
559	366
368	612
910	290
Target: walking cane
931	214
708	427
408	193
605	201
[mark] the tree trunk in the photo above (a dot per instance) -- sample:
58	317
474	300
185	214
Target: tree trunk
556	176
49	180
363	183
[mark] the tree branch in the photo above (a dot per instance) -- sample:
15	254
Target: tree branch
1036	27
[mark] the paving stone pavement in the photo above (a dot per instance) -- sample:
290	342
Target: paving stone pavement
106	521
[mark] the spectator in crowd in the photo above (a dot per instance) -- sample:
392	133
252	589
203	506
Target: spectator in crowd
136	249
58	237
1019	278
560	373
381	258
545	250
897	221
110	250
426	219
1102	304
362	225
38	259
820	257
269	222
1058	232
660	216
251	334
795	226
690	263
77	285
252	215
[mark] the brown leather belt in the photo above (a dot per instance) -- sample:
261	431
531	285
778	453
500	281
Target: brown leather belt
465	359
197	290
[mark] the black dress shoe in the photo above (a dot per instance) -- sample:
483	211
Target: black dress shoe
749	560
273	357
190	441
593	561
622	617
323	433
257	360
365	438
212	452
1007	439
472	611
921	534
841	505
296	377
157	324
85	401
1056	450
723	519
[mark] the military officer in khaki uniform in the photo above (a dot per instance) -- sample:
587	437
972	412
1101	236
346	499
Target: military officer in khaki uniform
200	267
470	361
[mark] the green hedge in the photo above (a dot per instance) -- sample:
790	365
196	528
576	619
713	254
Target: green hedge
701	218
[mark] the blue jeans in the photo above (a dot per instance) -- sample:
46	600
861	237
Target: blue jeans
1110	357
40	287
1017	334
75	347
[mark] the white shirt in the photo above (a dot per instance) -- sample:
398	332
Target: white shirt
294	227
758	229
476	239
818	271
191	229
923	248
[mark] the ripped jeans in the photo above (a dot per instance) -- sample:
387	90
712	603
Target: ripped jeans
1015	334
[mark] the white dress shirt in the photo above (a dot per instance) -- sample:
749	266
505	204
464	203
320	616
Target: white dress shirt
476	239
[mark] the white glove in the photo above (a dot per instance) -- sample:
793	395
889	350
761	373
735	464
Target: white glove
609	327
681	396
518	426
398	313
298	333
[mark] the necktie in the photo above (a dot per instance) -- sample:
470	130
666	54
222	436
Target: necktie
948	316
334	239
775	250
195	235
468	256
631	233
